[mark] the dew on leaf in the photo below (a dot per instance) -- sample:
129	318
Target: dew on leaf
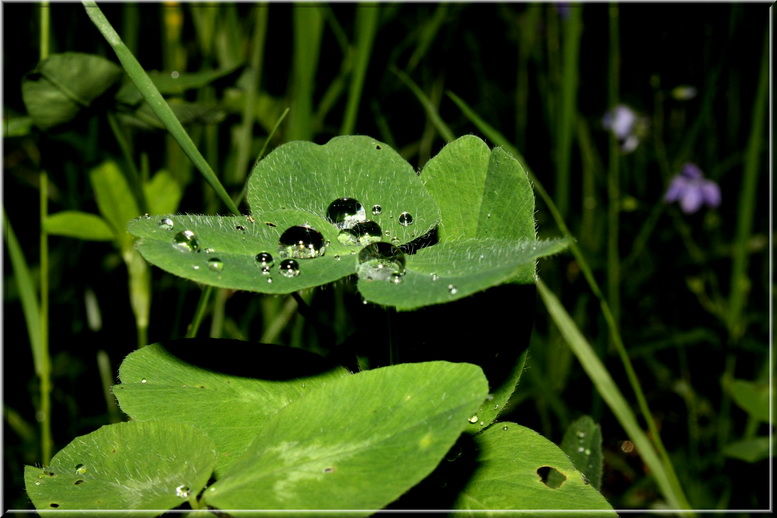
209	250
80	469
269	280
360	234
405	219
143	380
240	228
215	265
505	428
377	209
289	268
473	419
265	262
452	289
186	241
195	267
166	224
301	242
182	491
380	261
396	277
345	212
435	277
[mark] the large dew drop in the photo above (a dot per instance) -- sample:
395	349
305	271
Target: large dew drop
301	242
166	224
289	268
405	219
381	261
345	212
186	241
215	265
360	234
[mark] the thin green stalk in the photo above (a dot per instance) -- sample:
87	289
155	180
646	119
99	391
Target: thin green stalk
37	331
500	140
249	111
613	176
572	29
45	374
106	378
428	105
134	175
366	27
664	475
262	151
747	204
199	312
157	102
308	27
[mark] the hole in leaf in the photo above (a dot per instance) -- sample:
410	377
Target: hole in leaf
329	470
78	482
54	504
270	224
551	477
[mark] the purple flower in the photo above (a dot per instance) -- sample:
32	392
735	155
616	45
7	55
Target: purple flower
692	190
626	125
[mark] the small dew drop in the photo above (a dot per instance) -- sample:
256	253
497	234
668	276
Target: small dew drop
396	277
269	280
505	428
166	224
182	492
337	258
580	449
289	268
174	74
405	219
186	241
80	469
143	380
435	277
580	435
452	289
240	228
265	261
377	209
473	419
209	250
215	265
195	267
587	451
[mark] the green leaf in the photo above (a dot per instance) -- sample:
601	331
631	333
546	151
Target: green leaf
481	193
124	467
63	84
80	225
752	397
358	443
163	193
144	117
509	468
17	126
454	270
749	450
114	199
306	176
582	443
234	242
172	83
226	399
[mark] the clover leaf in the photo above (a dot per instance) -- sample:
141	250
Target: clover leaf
355	206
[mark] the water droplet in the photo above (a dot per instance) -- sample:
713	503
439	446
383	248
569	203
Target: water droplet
289	268
240	228
37	483
380	261
337	258
360	234
345	212
269	280
435	277
166	224
587	451
473	419
580	435
174	74
186	241
265	262
580	449
488	215
215	265
405	219
301	242
209	250
143	380
452	289
182	492
505	428
496	406
80	469
396	277
377	209
195	267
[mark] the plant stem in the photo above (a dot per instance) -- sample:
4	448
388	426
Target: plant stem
134	178
613	183
156	102
199	312
366	27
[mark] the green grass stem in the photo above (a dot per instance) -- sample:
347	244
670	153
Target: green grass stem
740	284
308	28
429	107
366	27
666	479
567	114
199	312
500	140
133	175
613	174
249	111
157	102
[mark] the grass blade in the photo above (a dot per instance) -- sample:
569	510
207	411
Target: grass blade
366	27
597	372
156	101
